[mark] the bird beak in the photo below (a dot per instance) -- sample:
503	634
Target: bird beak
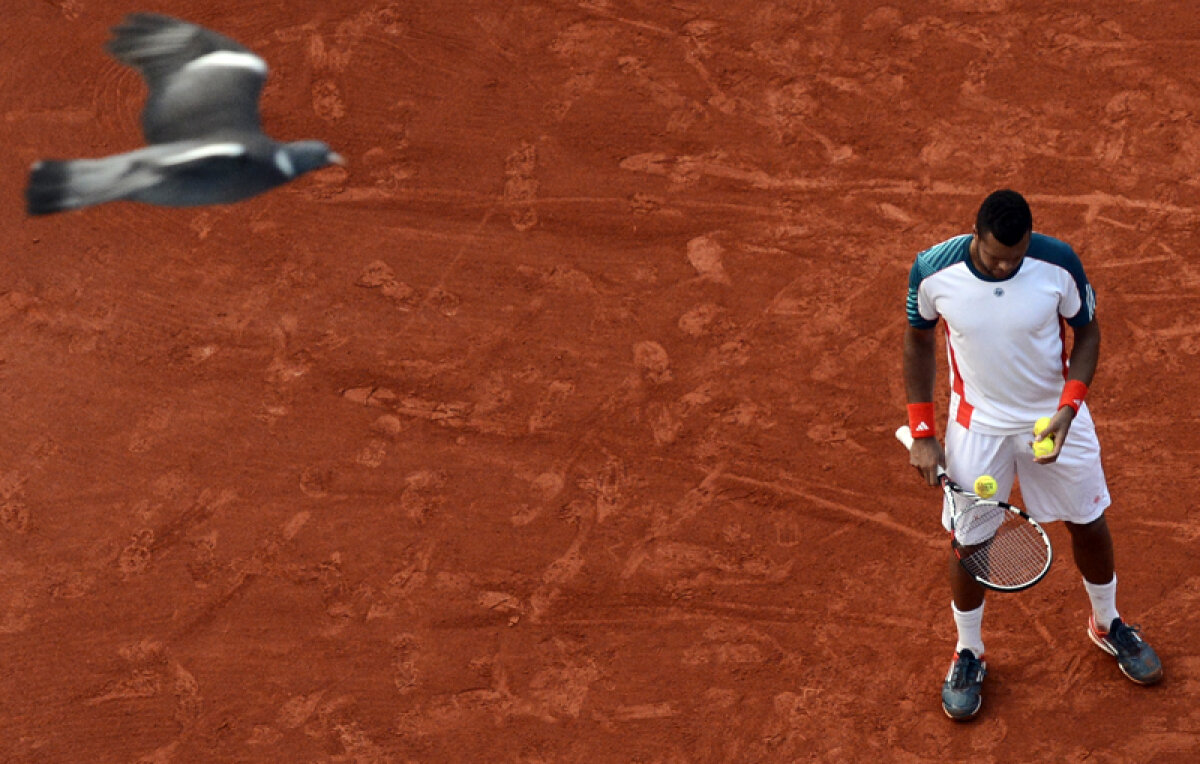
337	159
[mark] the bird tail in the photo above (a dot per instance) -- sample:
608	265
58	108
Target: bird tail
56	185
49	188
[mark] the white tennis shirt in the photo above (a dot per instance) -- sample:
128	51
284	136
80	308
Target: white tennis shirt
1005	338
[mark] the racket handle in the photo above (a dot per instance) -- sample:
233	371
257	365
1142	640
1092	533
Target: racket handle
904	435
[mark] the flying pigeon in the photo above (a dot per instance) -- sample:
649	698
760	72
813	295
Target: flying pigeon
201	122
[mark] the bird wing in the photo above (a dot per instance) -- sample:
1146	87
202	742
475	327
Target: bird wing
179	165
188	156
63	185
200	82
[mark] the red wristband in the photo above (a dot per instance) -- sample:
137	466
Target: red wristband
1073	394
920	420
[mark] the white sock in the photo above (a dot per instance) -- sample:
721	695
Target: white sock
970	629
1104	601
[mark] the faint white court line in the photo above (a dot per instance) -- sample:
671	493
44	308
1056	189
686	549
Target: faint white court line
886	188
879	518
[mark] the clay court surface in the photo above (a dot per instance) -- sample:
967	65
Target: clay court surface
558	426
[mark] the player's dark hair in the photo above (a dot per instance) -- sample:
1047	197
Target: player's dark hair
1005	215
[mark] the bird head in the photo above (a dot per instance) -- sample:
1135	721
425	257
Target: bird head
303	156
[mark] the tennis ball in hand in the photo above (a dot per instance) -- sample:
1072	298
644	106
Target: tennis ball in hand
985	486
1042	446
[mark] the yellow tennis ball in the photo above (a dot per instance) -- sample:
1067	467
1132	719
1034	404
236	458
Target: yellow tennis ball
985	486
1042	446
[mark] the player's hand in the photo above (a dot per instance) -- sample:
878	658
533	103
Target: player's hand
1060	425
926	454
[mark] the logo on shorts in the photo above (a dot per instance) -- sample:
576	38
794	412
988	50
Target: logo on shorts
998	291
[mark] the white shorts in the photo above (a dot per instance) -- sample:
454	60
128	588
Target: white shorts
1072	489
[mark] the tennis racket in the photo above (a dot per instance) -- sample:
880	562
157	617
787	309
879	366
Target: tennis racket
998	544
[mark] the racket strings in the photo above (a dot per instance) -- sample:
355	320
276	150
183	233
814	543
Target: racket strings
963	504
999	546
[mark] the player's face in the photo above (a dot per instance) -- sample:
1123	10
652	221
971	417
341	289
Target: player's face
995	259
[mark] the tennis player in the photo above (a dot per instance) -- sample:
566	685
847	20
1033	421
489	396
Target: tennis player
1006	295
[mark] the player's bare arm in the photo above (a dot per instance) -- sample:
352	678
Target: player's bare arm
1085	356
920	373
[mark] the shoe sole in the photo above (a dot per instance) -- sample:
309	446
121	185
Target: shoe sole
967	718
1103	645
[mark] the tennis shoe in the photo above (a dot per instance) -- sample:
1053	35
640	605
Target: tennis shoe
962	692
1137	660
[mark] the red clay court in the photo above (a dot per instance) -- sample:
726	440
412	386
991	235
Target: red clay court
557	427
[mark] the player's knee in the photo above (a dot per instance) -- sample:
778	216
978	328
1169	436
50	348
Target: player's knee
1097	528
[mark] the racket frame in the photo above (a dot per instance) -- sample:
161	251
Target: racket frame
950	488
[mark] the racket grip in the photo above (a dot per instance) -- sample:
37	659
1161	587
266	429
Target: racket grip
904	435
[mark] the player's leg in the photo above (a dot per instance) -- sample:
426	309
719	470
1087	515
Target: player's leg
1074	490
962	689
967	592
1091	544
963	686
1093	549
969	455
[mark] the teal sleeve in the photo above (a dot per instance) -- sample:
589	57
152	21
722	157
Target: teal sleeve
915	319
